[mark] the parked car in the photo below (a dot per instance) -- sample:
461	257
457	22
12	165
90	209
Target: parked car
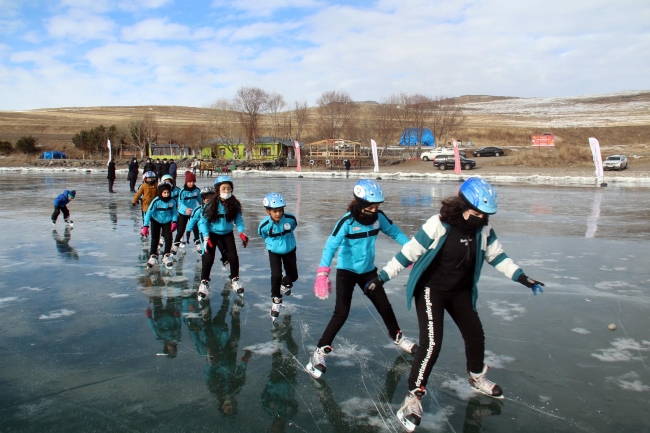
428	155
443	162
615	162
488	151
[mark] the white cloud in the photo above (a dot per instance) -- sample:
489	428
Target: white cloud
161	29
267	7
80	27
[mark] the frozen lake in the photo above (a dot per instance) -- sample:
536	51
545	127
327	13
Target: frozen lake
78	352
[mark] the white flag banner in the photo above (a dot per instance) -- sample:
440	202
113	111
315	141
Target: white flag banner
375	158
296	145
110	151
598	160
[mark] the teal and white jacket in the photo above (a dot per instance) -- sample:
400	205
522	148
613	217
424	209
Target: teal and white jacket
220	226
424	246
162	212
279	236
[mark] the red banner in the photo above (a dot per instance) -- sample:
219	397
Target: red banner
297	146
456	157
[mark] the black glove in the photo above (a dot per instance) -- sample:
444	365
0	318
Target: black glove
374	284
530	283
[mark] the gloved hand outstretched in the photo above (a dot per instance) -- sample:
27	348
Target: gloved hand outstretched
145	231
530	283
174	226
374	284
244	239
323	284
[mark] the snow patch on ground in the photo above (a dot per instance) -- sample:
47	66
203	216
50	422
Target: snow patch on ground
581	331
461	387
4	301
508	311
56	314
629	382
267	348
33	289
607	285
118	295
621	350
497	361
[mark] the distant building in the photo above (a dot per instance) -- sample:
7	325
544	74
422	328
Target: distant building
410	137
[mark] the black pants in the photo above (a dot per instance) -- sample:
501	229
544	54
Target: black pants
155	228
110	184
58	210
290	267
132	184
345	282
430	306
228	249
182	223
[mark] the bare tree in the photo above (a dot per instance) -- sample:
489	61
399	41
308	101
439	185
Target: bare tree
250	103
276	106
301	116
224	125
143	133
385	120
446	117
335	110
194	136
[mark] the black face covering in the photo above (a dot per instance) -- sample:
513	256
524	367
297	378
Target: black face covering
166	199
470	224
367	219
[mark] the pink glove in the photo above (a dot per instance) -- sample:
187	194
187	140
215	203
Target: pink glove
244	239
323	284
188	211
174	225
145	231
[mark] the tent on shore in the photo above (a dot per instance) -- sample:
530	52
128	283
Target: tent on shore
54	154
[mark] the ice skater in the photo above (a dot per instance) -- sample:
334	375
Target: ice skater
189	198
277	231
175	190
61	205
162	216
356	234
447	256
193	223
221	212
146	192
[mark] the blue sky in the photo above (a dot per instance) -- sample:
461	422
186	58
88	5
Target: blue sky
63	53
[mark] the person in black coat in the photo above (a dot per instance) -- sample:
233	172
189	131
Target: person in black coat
165	167
111	175
149	166
159	168
133	173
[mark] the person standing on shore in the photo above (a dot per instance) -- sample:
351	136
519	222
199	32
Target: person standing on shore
347	167
111	175
172	170
133	173
447	255
149	166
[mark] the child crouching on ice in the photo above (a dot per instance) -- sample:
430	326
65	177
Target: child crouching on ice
61	205
161	215
277	230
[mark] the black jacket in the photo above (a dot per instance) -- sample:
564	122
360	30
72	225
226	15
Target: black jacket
133	169
111	170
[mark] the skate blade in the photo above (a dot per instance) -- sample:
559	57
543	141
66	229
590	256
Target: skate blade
497	397
316	374
406	424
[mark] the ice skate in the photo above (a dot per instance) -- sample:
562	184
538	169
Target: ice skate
182	244
480	383
204	291
316	365
53	222
226	265
153	260
405	344
275	308
237	286
410	414
168	261
197	245
286	286
175	247
68	221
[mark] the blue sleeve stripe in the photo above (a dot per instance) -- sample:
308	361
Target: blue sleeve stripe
401	258
498	259
492	237
423	238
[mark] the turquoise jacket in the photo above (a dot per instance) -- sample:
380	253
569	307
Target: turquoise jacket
220	226
160	211
279	236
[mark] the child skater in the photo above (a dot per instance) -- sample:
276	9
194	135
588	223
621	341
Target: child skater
216	226
189	198
193	223
61	205
161	215
146	192
167	178
447	256
277	231
356	234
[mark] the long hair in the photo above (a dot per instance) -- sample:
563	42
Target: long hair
452	207
357	205
232	205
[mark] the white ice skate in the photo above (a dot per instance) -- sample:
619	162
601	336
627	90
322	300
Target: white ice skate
168	261
405	344
182	244
275	308
237	286
316	365
153	260
226	265
53	222
204	291
197	245
480	383
69	222
286	287
410	414
174	249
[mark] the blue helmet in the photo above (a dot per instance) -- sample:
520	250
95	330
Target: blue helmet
150	175
273	200
223	179
480	195
206	191
369	190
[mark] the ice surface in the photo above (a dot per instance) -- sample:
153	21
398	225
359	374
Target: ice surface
78	352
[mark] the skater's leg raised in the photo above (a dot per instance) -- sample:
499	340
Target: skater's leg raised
345	282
